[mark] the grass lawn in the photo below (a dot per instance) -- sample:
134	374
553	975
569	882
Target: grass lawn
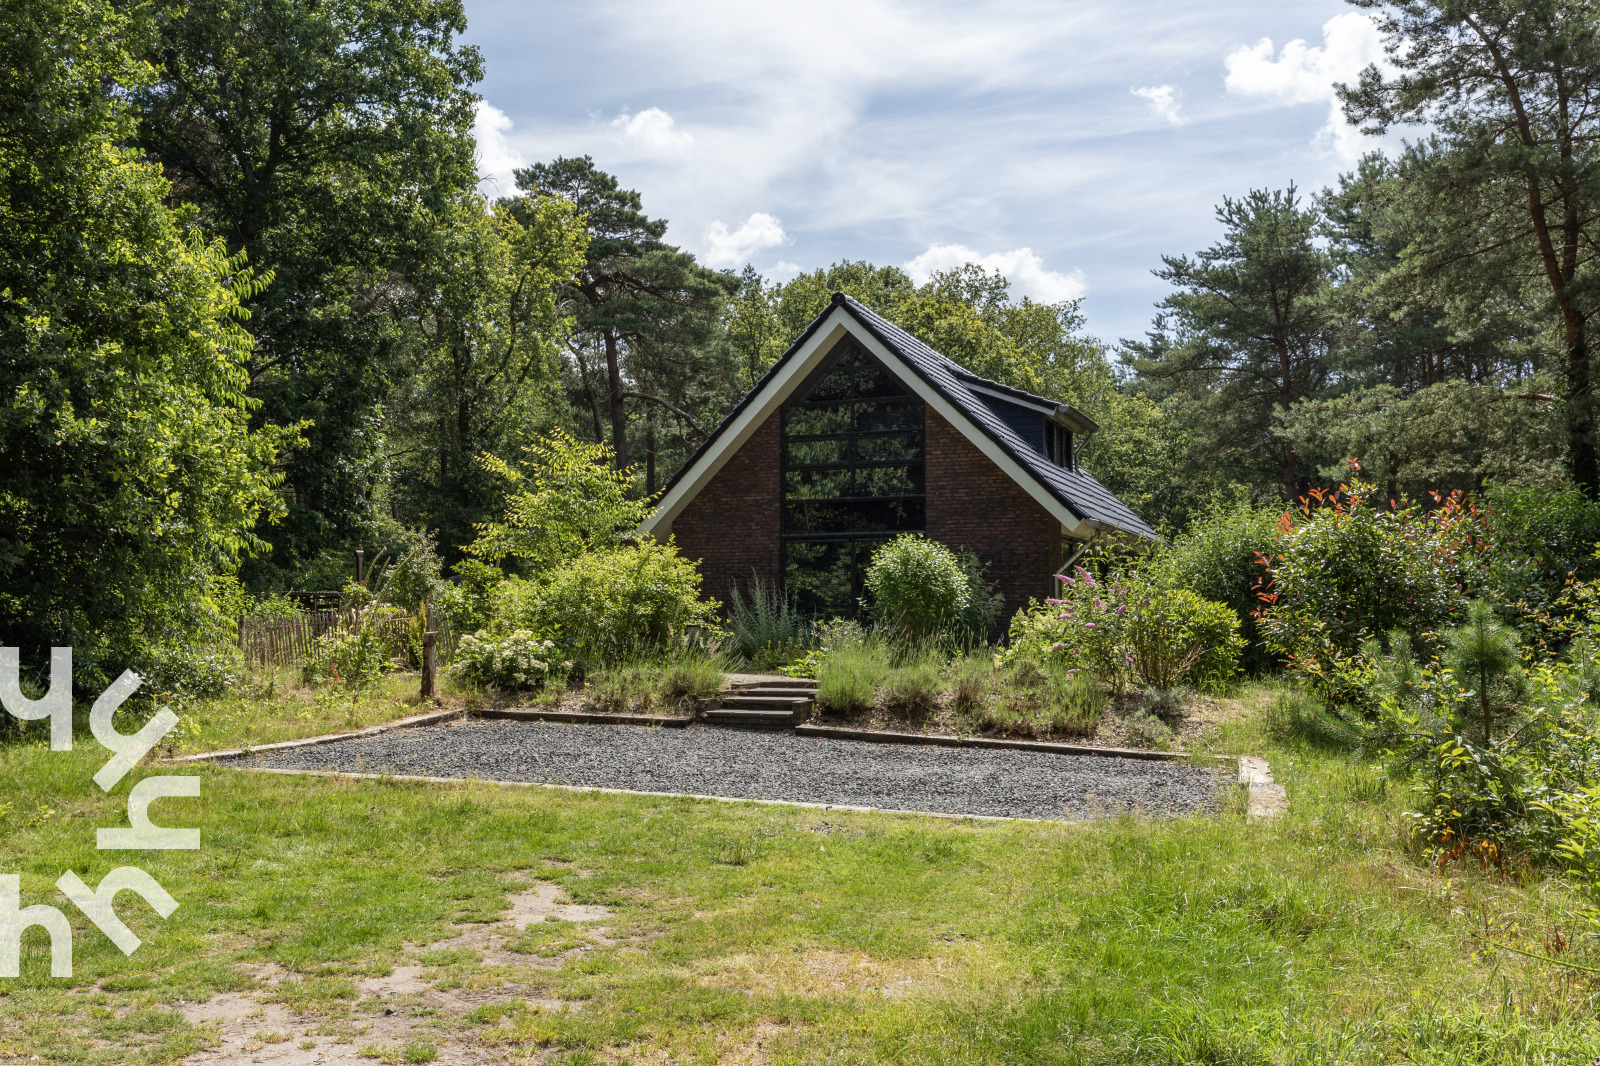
746	933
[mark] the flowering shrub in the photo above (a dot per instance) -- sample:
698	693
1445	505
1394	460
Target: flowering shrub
1128	628
1346	570
515	662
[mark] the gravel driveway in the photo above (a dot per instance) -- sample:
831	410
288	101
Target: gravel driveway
711	761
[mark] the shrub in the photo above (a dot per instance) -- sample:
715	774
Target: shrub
917	586
1218	557
847	681
975	623
1145	730
1077	702
911	691
767	630
1174	634
1537	538
613	606
351	658
515	662
1129	627
1346	571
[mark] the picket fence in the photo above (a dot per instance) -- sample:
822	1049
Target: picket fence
290	640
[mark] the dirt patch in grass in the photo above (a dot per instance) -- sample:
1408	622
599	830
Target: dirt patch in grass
419	1011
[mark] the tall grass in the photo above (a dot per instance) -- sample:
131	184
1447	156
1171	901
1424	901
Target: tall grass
912	690
847	681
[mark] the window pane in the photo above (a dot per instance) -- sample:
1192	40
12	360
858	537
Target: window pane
816	484
889	481
860	516
810	452
874	379
881	415
821	578
902	446
806	421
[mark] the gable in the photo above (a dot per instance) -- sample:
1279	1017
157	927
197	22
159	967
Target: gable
923	373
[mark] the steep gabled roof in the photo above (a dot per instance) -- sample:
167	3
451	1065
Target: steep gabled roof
1084	498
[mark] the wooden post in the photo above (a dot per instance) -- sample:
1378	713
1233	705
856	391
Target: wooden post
430	651
361	564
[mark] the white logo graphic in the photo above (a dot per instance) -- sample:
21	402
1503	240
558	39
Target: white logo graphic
141	833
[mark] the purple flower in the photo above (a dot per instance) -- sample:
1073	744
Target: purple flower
1128	659
1088	578
1053	601
1088	625
1072	671
1098	605
1122	608
1057	647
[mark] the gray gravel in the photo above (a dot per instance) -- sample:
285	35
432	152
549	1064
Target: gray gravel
713	761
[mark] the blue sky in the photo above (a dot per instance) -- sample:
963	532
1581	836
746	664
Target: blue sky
1069	144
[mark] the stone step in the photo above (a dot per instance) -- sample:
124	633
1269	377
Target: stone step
797	685
785	704
755	719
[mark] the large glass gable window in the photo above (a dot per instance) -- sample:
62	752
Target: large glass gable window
852	477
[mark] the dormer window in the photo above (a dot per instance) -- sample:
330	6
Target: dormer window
1058	444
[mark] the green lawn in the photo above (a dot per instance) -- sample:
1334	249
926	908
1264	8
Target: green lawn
747	933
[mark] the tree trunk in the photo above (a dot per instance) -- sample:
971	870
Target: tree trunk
594	401
650	455
619	410
1580	405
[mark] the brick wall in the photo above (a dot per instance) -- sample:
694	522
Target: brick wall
732	525
972	503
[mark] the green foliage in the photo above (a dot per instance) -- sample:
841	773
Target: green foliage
563	501
130	475
767	630
612	606
1347	570
918	586
1219	557
1128	627
1482	655
330	142
354	658
515	662
1245	334
642	309
1448	435
416	575
1538	540
483	346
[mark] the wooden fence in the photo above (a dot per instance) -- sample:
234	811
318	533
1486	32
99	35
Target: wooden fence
290	640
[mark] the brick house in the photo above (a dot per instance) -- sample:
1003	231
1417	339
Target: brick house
861	432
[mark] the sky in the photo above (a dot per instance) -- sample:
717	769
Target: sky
1069	145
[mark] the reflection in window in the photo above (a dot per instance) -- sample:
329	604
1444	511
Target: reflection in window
852	477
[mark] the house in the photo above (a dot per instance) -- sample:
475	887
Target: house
861	432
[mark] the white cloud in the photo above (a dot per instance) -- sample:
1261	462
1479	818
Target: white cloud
732	249
496	158
783	271
651	129
1021	267
1163	101
1301	74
